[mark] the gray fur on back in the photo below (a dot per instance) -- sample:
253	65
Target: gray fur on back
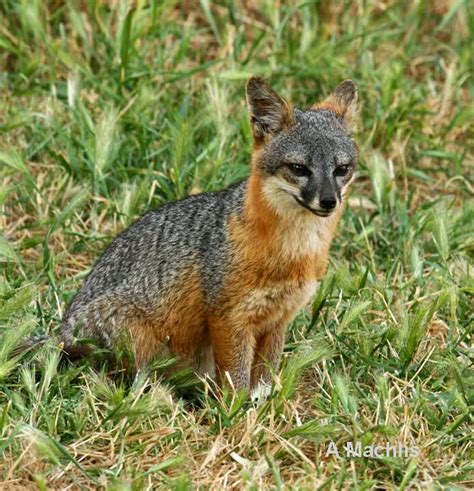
145	259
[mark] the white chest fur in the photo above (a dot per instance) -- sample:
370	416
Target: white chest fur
273	301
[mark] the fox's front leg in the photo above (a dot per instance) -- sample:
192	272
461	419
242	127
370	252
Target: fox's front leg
233	347
268	351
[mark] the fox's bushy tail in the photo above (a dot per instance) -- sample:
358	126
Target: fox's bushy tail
69	351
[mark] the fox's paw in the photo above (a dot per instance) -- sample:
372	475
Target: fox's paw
260	393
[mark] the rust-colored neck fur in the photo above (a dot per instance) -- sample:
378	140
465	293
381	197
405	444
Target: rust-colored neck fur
259	215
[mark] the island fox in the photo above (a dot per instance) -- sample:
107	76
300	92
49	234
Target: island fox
215	278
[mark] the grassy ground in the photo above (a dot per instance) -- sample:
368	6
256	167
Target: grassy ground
107	111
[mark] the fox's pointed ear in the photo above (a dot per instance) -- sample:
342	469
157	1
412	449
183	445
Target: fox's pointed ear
269	113
343	101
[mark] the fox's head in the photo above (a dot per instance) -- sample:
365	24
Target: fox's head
305	157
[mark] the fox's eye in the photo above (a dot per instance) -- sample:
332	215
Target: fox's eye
341	170
299	170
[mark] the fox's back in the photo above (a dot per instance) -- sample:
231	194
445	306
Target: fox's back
161	274
146	258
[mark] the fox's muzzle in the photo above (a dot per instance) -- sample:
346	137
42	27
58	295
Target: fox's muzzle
322	203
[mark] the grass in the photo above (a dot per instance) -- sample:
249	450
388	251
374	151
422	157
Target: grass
108	109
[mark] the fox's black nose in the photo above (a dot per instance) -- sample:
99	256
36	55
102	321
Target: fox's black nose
327	203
